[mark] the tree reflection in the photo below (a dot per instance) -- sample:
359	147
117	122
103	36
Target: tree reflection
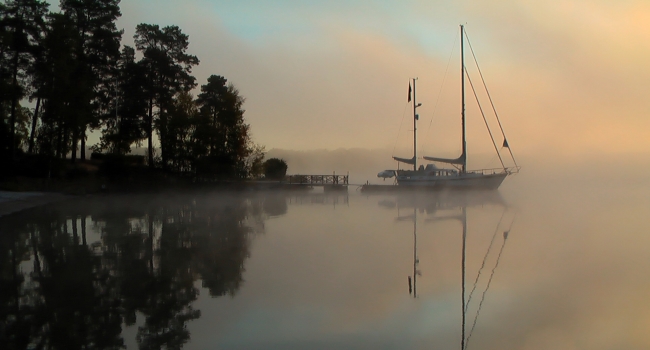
16	315
68	299
275	205
58	290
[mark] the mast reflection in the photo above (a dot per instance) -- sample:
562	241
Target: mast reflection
453	207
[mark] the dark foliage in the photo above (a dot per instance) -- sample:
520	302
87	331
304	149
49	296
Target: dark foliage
71	64
275	168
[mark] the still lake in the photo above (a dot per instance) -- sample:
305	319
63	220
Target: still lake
559	265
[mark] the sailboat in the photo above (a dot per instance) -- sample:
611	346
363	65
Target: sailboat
431	176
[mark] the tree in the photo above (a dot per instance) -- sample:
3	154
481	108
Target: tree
55	73
97	52
126	125
182	127
230	144
22	22
275	168
211	102
167	67
255	160
21	132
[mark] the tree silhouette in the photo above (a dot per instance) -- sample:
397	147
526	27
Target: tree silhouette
229	140
125	125
97	50
23	23
275	168
167	67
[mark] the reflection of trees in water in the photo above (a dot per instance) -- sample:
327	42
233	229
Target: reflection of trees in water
76	295
275	205
220	249
14	325
67	300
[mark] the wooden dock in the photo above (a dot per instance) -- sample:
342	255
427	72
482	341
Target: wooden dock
328	182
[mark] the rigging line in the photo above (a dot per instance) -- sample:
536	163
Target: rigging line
489	97
480	305
483	114
496	229
400	127
487	164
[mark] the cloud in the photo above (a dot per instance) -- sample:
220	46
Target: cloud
566	76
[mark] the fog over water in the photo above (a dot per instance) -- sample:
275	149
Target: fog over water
557	258
295	270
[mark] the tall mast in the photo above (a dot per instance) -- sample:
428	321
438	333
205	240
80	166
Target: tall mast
415	128
462	93
415	135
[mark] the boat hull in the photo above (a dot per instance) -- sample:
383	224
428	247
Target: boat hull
464	181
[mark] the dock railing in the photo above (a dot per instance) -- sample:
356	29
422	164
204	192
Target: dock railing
317	180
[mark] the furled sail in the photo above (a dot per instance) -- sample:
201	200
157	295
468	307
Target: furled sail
459	160
405	160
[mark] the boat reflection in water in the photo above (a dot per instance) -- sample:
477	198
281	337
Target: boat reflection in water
144	271
452	206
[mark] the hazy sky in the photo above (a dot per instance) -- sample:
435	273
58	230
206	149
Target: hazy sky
566	76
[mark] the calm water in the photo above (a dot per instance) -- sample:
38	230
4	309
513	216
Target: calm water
557	266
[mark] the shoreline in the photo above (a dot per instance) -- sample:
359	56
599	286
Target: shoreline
13	202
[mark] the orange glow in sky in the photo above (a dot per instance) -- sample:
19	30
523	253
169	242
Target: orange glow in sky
566	77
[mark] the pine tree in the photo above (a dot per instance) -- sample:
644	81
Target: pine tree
22	23
168	70
97	53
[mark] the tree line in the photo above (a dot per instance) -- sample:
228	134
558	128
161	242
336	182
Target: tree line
64	74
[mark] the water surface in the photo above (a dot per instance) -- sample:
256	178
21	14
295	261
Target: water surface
556	267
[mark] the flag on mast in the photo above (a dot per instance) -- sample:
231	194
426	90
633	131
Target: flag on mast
409	92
